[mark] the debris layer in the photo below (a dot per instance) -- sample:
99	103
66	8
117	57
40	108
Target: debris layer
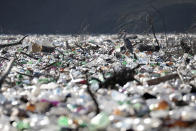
103	82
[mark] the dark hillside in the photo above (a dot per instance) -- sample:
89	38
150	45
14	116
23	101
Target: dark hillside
101	16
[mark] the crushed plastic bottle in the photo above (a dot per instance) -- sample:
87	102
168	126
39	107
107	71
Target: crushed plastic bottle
100	121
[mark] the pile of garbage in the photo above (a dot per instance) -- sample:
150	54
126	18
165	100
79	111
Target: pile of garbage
100	82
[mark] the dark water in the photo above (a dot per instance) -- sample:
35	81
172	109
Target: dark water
91	16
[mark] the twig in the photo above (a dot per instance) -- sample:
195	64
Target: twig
13	44
80	47
25	74
3	58
150	22
29	55
67	45
163	22
9	66
83	49
55	47
26	47
49	65
60	52
162	79
153	31
135	56
31	76
180	76
93	97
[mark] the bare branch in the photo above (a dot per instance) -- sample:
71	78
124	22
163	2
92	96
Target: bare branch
31	56
13	44
7	71
162	79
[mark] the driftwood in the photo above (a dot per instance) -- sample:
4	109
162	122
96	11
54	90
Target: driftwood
31	56
47	66
25	74
13	44
4	58
80	47
162	79
7	71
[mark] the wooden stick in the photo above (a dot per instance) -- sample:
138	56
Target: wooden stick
162	79
47	66
4	58
7	71
13	44
31	56
24	74
80	47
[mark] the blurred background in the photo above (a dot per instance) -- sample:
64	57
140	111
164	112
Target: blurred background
96	16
